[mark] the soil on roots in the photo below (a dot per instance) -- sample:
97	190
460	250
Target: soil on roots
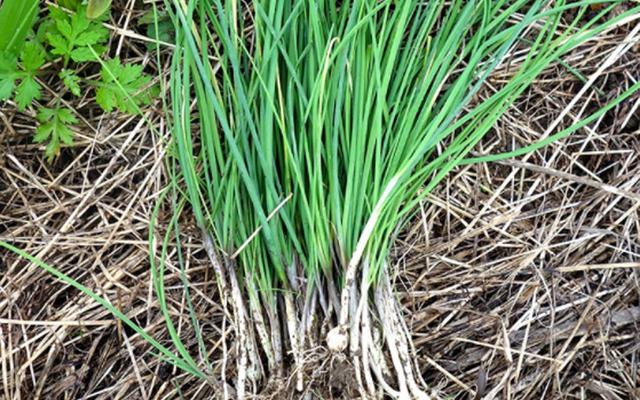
326	376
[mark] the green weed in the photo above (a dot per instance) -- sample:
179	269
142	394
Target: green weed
66	39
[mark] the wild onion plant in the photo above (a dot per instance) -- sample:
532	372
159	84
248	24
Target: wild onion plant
318	126
306	132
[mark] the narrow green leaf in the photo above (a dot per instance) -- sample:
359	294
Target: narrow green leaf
16	20
168	355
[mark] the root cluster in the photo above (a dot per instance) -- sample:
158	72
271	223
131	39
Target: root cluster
278	336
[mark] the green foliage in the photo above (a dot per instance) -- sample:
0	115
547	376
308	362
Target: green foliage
123	87
159	26
55	128
340	116
71	81
68	37
70	4
356	111
75	36
16	20
28	89
8	74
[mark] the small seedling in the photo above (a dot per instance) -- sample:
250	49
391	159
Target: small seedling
75	37
66	40
123	87
55	129
20	80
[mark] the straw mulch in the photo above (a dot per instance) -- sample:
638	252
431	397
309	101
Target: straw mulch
520	279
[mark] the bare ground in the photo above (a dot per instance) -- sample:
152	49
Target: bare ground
519	279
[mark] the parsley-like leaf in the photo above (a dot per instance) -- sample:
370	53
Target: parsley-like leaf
71	81
8	74
73	36
27	91
55	127
31	59
124	87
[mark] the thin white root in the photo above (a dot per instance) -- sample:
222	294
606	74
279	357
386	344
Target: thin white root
261	327
354	343
339	335
362	327
397	376
292	327
412	350
377	363
366	360
397	342
224	297
309	318
390	338
276	339
241	330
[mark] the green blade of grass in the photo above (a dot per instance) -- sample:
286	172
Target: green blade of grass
169	356
16	20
